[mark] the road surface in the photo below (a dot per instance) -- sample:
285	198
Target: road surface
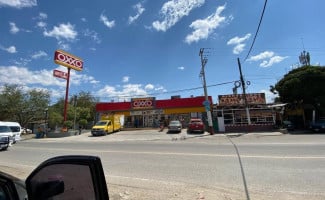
148	165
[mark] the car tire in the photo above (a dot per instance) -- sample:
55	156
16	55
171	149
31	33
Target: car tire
4	148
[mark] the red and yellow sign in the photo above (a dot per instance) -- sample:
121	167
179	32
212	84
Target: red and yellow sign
143	103
60	74
66	59
238	99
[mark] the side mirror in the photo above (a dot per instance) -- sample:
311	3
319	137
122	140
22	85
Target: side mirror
68	177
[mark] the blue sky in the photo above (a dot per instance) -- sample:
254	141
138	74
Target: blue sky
151	48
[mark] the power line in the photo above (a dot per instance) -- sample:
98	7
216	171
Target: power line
258	28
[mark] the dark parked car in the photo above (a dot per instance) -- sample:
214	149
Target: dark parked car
288	125
175	126
318	126
196	125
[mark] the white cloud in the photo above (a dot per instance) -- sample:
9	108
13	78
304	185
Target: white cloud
104	19
41	24
63	45
204	27
42	79
139	9
269	96
261	56
23	76
63	31
160	88
238	42
238	48
181	68
39	54
42	15
18	3
11	49
21	61
127	91
13	28
93	35
174	10
268	58
83	19
125	79
149	87
272	61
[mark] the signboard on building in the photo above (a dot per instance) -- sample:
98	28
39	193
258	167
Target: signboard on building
146	112
238	99
60	74
143	103
66	59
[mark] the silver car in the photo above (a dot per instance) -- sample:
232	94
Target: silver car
175	126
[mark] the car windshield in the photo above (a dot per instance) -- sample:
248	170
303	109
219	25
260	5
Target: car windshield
180	99
15	128
174	123
4	129
101	123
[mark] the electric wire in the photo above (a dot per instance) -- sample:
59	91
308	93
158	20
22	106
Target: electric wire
258	28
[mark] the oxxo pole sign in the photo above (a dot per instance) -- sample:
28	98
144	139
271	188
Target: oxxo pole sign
65	59
71	62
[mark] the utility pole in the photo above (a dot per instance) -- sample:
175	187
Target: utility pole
244	92
206	103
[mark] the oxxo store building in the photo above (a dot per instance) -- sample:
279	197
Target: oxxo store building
149	112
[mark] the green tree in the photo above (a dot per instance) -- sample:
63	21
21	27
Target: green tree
83	107
23	106
68	124
304	85
86	100
83	122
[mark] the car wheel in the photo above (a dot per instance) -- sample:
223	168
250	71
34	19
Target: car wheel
4	148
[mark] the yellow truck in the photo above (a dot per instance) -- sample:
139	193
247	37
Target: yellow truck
108	124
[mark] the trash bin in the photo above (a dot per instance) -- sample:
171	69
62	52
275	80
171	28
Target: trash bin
215	125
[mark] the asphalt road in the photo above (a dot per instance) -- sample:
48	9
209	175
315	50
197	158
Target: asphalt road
154	166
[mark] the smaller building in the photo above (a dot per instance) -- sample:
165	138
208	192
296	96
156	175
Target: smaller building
232	115
149	112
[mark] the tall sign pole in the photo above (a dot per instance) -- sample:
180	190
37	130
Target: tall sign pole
71	62
66	97
206	103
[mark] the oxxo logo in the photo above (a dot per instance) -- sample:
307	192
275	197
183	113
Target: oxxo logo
144	103
67	60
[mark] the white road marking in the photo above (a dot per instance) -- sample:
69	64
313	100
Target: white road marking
87	151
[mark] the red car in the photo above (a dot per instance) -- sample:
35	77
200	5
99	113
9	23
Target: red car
196	125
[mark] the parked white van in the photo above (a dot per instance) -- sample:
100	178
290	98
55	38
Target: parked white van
5	131
16	130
